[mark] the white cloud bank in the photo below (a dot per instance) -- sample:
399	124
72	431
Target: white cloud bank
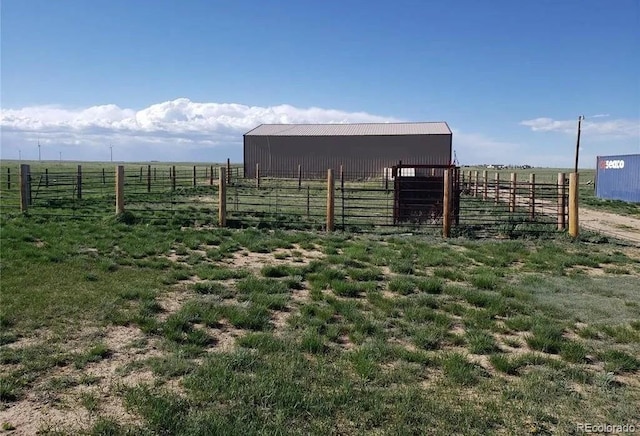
183	130
612	129
177	118
173	129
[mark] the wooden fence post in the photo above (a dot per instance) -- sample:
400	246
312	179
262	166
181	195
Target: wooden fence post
46	177
155	175
119	189
330	200
222	199
532	196
228	171
258	175
446	204
211	175
8	178
173	178
79	182
497	196
512	199
561	202
308	201
475	184
195	183
485	187
148	178
140	177
25	189
104	178
342	194
299	176
573	205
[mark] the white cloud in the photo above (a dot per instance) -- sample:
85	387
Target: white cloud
180	118
620	128
162	129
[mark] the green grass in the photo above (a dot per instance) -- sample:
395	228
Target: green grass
480	342
331	345
459	370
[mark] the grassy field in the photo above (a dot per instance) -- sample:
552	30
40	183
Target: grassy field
116	328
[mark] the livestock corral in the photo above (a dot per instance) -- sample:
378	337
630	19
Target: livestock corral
212	303
479	203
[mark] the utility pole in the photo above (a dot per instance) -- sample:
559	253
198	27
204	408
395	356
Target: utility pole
39	159
111	150
580	118
20	155
60	155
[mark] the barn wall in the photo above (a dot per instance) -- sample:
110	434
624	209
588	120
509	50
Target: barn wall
279	156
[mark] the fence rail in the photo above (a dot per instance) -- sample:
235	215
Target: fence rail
443	199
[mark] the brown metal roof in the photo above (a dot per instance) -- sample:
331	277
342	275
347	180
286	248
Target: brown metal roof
363	129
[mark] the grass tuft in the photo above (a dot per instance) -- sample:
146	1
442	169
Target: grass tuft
480	342
459	370
619	362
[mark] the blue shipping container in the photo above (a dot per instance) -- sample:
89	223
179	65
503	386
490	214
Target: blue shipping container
618	177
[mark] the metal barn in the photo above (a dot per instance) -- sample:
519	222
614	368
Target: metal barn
363	150
618	177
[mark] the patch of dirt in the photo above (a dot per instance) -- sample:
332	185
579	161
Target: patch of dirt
174	257
458	329
345	343
404	344
388	294
386	271
610	224
482	360
225	336
62	409
590	271
172	302
40	244
30	417
39	337
521	337
254	261
301	295
279	319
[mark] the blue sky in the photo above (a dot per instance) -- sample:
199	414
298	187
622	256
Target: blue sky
183	80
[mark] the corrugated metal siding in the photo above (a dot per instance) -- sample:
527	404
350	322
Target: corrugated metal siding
363	129
618	177
360	156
